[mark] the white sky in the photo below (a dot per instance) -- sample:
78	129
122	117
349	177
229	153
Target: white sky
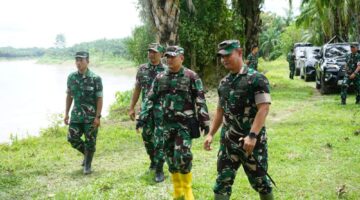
280	6
29	23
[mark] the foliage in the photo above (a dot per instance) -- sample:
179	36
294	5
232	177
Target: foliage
119	109
10	52
137	44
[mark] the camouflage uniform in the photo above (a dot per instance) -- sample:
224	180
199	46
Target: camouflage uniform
84	89
152	130
181	97
291	61
253	60
238	96
351	63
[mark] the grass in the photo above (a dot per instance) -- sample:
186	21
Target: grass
313	151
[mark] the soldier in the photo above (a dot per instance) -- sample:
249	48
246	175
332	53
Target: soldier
152	133
252	59
244	101
180	93
85	88
351	75
291	61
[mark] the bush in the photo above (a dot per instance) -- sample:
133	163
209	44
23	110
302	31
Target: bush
118	110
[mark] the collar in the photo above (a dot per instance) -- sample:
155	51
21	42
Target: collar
86	74
179	73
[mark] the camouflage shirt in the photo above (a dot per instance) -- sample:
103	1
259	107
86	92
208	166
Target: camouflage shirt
351	62
181	96
291	58
238	96
84	89
253	60
146	75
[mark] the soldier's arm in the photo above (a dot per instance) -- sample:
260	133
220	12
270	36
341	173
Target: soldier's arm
134	100
200	101
259	121
215	125
68	102
99	100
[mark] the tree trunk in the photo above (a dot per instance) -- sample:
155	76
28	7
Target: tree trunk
165	16
250	11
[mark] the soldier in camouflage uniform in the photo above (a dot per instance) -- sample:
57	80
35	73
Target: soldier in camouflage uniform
179	92
85	88
244	100
351	75
152	131
252	59
291	60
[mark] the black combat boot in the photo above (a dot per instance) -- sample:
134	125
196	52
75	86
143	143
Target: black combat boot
159	176
357	100
88	159
343	101
152	166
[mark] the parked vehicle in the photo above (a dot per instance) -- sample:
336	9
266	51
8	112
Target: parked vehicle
298	51
307	63
330	70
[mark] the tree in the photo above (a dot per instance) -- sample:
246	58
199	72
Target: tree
250	13
164	16
60	41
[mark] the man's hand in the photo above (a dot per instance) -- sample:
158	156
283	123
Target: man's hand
96	122
66	119
352	76
132	114
249	144
139	124
207	142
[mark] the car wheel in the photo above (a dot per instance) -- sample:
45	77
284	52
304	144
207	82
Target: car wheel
323	88
297	72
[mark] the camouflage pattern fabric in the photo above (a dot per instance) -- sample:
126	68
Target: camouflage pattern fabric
84	89
253	60
179	96
351	65
291	61
76	130
153	143
238	96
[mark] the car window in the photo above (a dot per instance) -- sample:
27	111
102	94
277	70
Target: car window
335	51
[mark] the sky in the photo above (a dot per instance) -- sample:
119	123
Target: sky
30	23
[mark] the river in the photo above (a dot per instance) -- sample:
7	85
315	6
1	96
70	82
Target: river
31	94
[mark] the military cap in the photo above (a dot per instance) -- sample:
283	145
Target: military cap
227	46
82	54
353	45
174	51
156	47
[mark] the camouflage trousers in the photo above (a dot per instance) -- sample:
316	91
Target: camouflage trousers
345	85
152	136
231	156
292	70
76	130
177	147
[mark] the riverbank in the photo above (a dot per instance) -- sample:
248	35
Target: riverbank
313	153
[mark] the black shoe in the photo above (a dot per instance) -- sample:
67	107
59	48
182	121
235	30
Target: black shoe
343	101
88	159
159	177
152	166
357	100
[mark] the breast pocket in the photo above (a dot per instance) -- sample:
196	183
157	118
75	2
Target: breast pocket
239	101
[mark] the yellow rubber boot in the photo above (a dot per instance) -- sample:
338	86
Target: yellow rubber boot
186	182
178	189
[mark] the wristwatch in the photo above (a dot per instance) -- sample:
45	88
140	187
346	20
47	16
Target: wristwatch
252	135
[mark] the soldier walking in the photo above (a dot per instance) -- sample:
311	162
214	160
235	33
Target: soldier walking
180	93
152	131
244	101
291	61
252	59
352	75
84	88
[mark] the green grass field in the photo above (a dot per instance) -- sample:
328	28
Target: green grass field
313	151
